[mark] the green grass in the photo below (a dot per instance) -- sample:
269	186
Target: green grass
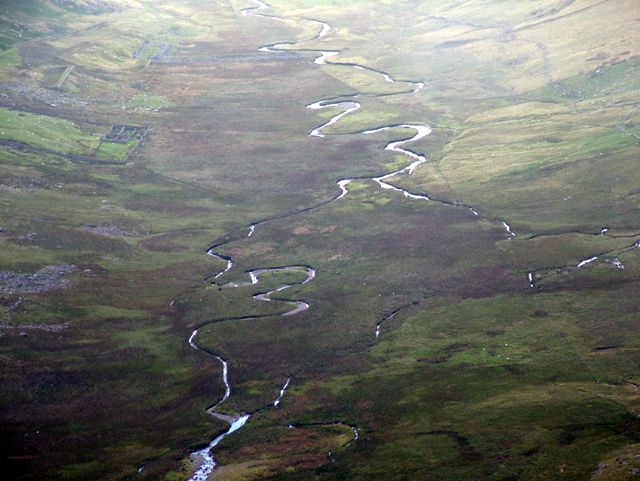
148	100
114	150
46	132
10	57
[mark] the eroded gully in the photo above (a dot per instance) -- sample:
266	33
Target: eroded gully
345	105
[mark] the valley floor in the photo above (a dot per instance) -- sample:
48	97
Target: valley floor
319	240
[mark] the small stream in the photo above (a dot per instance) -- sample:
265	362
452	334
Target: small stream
204	454
609	257
348	107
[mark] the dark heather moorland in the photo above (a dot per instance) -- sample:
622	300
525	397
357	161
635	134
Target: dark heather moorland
368	240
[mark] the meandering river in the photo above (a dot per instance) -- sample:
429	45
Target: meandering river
345	106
